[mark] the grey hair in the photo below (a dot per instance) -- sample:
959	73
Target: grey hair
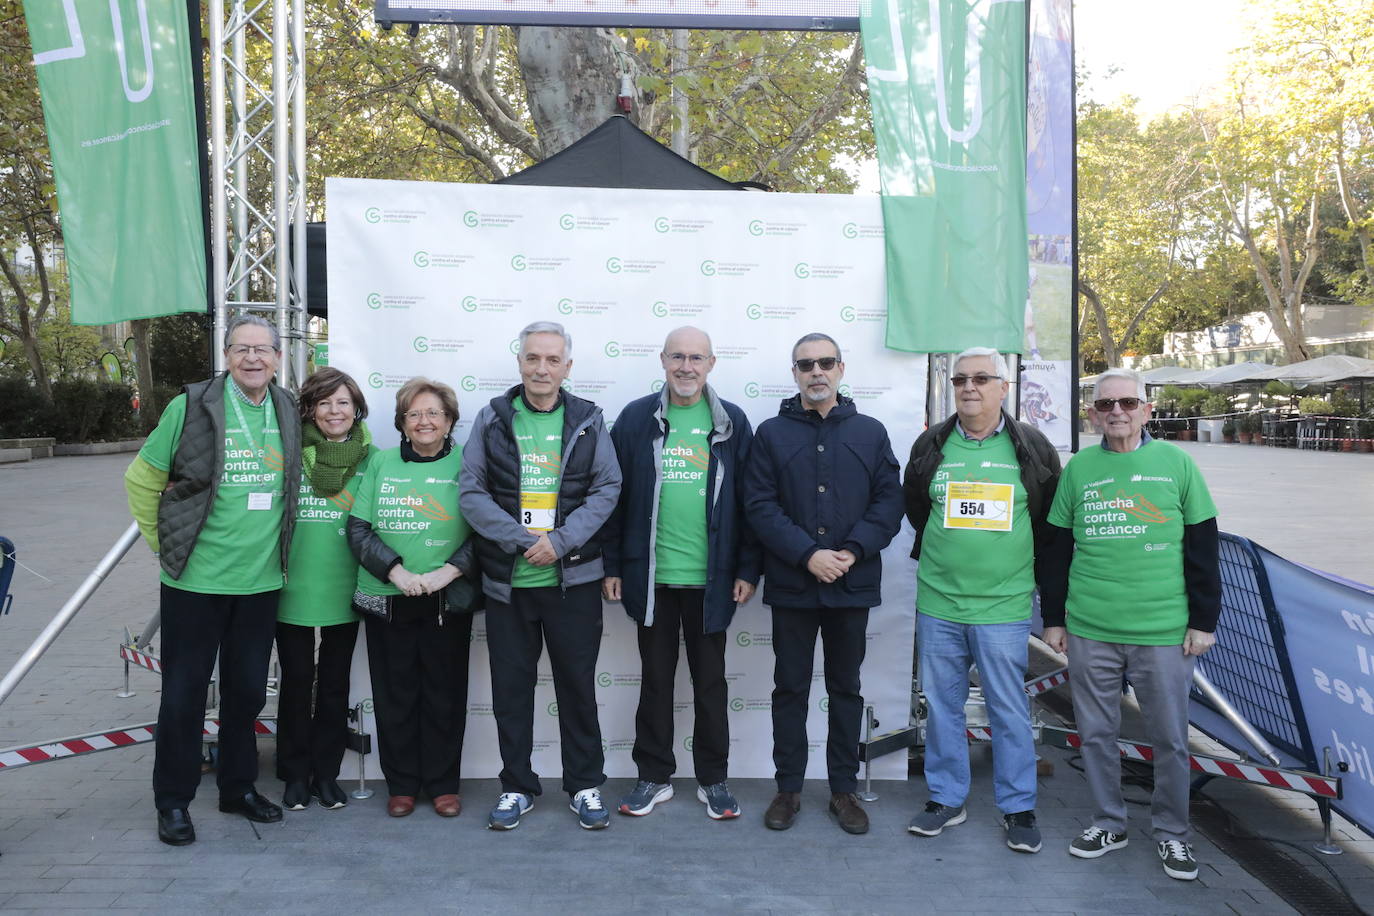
243	319
548	327
1129	374
710	348
813	337
999	362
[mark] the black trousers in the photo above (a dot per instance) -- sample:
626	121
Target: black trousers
311	735
569	620
419	668
195	628
843	633
679	610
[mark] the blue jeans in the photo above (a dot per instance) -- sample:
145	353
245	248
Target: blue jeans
999	649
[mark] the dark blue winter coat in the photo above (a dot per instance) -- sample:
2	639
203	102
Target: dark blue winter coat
628	538
818	482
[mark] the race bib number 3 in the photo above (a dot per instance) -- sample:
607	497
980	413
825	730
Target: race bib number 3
537	510
978	505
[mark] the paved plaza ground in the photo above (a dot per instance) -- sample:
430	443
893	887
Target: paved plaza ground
79	834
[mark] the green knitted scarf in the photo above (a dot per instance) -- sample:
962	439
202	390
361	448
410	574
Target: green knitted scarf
329	466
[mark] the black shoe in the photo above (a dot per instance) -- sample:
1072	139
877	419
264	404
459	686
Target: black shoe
174	827
296	796
329	794
252	806
782	811
845	807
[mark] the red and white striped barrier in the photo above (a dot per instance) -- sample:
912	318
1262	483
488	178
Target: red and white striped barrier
1047	682
978	733
15	757
142	659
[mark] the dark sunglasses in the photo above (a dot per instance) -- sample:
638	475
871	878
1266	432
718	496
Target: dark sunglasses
1105	405
825	362
981	379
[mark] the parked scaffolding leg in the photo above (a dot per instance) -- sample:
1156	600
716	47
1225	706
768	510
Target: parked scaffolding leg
126	692
1326	847
360	741
868	795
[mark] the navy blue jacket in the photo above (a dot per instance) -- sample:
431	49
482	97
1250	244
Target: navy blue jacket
628	538
818	482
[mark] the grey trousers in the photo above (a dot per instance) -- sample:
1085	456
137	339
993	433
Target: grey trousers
1161	677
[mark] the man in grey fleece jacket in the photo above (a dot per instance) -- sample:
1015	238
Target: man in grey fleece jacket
539	480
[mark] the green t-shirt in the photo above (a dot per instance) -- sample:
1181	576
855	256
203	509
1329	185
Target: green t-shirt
237	551
539	437
1127	511
680	541
978	558
413	508
323	571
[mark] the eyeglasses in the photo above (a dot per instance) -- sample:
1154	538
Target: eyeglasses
1105	405
416	416
981	379
260	351
692	359
825	362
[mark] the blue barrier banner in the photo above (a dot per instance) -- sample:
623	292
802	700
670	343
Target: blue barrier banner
1328	628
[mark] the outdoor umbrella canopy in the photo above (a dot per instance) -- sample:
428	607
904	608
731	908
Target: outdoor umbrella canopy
1324	368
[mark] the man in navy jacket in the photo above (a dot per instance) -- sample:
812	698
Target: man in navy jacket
676	555
823	495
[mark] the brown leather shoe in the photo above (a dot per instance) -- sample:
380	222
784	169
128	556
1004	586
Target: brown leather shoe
845	807
448	805
400	805
782	811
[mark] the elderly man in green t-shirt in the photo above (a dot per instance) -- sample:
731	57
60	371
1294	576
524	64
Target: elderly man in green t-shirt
1134	569
977	490
214	492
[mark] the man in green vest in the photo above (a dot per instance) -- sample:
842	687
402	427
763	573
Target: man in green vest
214	492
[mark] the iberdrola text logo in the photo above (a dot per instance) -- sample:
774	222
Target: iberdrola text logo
420	259
372	215
603	679
469	383
754	311
660	309
469	303
472	219
756	227
802	270
565	306
848	314
421	344
374	300
517	262
752	390
850	230
662	224
708	268
375	380
566	222
613	265
612	349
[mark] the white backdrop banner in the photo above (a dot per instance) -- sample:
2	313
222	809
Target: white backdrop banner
438	279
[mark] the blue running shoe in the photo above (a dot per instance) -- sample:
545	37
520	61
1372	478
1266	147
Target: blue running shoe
591	813
720	803
646	794
509	808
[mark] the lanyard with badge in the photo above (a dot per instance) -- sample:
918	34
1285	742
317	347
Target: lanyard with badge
258	501
978	505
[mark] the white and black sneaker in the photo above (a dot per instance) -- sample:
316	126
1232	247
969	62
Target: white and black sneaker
1096	842
1178	860
935	818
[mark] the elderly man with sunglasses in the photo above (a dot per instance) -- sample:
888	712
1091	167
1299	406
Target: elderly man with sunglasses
978	488
822	493
1132	589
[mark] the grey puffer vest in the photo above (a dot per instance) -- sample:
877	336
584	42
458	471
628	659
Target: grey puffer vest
198	464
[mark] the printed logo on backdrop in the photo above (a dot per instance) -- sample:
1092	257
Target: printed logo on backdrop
656	386
473	304
478	219
521	262
425	259
567	306
768	228
824	704
851	313
376	215
750	704
744	638
569	222
607	679
756	312
424	344
380	301
615	349
682	226
714	268
663	309
386	380
484	383
759	390
804	270
862	230
735	352
515	345
618	265
552	709
480	709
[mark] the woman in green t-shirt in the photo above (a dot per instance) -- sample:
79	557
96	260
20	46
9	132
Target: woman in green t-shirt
336	447
415	587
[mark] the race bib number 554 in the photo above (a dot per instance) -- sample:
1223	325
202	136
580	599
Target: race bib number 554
978	505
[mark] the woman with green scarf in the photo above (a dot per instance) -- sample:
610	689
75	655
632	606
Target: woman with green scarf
336	447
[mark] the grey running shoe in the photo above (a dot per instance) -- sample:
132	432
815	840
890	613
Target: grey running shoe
1095	842
591	813
936	817
720	803
1178	860
645	795
1022	834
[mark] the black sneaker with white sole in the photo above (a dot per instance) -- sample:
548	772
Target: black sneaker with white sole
936	817
1095	842
1022	834
1178	860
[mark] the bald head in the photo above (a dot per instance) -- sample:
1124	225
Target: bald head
687	360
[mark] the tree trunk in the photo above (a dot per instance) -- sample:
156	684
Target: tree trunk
572	77
148	408
1104	329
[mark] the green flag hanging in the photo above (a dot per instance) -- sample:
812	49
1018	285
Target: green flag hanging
115	80
947	83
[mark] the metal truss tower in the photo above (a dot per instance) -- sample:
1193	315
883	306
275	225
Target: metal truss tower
257	169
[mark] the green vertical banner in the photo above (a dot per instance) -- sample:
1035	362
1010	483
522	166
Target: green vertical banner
947	80
115	80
